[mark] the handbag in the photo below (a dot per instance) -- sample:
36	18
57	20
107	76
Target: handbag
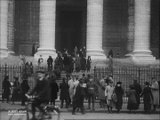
114	97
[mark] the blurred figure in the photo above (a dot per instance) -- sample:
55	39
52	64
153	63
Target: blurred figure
101	91
6	86
88	64
71	89
40	61
108	94
64	93
50	63
78	99
58	64
91	91
24	90
138	89
132	102
16	90
147	97
119	93
42	91
155	93
54	89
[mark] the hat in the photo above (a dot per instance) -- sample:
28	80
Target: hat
119	82
41	71
146	83
131	86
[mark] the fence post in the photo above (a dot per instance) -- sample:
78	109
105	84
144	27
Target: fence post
5	69
94	73
139	74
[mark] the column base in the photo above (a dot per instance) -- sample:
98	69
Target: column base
11	52
45	53
3	53
142	57
98	57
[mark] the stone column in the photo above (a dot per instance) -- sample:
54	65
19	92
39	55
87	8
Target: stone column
47	29
130	42
142	31
94	30
10	42
3	28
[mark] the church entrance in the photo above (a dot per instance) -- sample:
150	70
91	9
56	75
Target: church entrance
70	30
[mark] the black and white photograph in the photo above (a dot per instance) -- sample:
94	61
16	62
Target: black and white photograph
79	60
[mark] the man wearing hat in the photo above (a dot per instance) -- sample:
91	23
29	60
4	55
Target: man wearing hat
147	97
42	92
119	93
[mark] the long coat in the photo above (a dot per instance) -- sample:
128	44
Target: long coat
54	90
64	93
42	89
71	88
108	93
101	89
132	102
6	88
119	92
78	98
155	93
138	89
147	98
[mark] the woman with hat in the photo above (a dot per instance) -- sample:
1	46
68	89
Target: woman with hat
147	97
132	101
6	86
119	93
109	90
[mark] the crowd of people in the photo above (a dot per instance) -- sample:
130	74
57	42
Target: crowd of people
67	62
75	89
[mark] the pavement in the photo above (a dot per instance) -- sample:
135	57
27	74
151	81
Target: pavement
98	114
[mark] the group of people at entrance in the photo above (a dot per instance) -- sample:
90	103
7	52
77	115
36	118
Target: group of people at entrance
67	62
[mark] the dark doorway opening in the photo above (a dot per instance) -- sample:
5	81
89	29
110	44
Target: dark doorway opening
69	30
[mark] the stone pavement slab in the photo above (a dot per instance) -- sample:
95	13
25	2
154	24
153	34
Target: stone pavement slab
90	116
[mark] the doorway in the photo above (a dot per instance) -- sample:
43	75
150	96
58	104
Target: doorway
70	30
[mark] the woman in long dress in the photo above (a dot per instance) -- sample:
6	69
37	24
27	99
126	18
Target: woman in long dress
155	93
108	94
147	97
119	93
132	102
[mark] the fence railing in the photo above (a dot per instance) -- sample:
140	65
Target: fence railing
127	74
124	74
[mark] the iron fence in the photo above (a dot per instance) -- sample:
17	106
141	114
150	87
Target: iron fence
127	74
124	74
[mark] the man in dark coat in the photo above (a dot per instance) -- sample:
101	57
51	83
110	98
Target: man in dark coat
50	63
16	90
54	89
6	89
119	93
24	90
78	98
64	93
147	97
138	89
91	92
42	92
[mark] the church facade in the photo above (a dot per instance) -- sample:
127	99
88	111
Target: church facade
128	27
